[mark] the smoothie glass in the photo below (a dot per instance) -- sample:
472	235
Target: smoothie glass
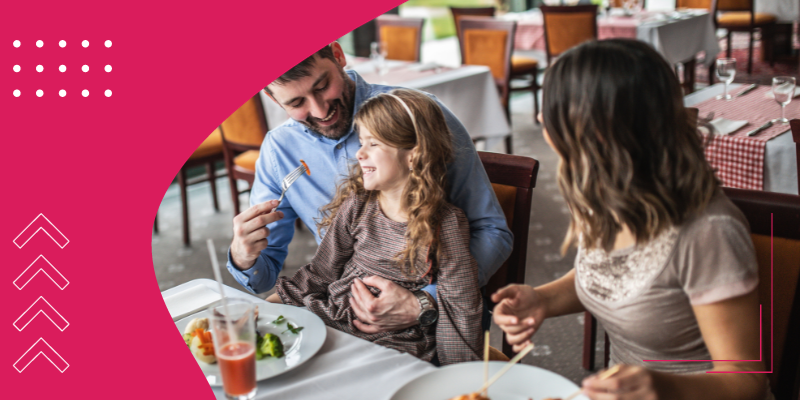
236	356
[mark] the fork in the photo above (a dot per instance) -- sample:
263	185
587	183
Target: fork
290	178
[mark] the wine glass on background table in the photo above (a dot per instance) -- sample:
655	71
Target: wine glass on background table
726	71
783	91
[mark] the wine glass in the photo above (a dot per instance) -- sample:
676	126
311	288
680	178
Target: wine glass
726	71
783	91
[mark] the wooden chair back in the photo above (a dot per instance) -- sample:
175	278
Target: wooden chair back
733	5
460	12
795	124
703	4
567	26
513	179
401	36
489	42
774	220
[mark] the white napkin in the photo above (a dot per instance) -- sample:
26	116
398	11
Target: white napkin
726	126
424	67
190	301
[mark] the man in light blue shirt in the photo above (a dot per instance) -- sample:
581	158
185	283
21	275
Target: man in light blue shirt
321	99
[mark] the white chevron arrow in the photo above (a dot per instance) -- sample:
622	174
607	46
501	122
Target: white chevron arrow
41	347
41	223
41	306
26	276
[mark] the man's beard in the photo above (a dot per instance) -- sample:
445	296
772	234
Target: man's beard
344	119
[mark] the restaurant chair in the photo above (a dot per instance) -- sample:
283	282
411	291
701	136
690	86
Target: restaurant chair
524	70
242	135
513	179
795	124
695	4
566	27
740	16
774	220
207	154
402	37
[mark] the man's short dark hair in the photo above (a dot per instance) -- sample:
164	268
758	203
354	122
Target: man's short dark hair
303	68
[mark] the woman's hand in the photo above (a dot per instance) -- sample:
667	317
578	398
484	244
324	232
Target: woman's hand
629	383
519	312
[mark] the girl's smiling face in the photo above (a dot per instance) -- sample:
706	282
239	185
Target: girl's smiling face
384	168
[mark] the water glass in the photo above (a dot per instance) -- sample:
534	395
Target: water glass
726	71
783	91
235	347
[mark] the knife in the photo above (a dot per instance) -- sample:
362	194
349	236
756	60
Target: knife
759	129
747	90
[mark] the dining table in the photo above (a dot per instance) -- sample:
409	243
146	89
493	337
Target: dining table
469	91
345	367
765	161
677	35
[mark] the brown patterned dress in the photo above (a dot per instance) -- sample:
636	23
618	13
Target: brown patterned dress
362	241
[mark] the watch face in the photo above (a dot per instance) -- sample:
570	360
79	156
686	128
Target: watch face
428	317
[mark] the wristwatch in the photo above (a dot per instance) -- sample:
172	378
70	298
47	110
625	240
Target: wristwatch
427	312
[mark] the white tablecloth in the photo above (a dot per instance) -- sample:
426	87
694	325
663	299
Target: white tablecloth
346	367
780	158
468	91
785	10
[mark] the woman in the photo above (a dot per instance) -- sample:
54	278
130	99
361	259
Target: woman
665	260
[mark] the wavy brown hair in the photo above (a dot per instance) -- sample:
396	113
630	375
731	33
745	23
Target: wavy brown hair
613	110
425	194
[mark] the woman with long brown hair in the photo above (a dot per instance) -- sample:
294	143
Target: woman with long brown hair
665	261
391	218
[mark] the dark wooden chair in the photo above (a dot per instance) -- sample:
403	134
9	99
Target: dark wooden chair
207	154
242	135
489	42
740	16
513	179
401	37
524	70
567	26
795	124
774	220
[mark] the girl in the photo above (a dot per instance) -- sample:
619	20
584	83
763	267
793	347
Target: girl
390	218
665	260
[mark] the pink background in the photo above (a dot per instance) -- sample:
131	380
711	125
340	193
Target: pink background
98	167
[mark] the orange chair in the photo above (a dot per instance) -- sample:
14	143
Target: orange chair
567	26
402	37
740	16
699	4
513	179
524	69
242	135
208	153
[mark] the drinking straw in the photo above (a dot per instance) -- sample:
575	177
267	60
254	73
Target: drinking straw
218	277
485	361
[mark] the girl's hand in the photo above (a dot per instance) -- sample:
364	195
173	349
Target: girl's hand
629	383
519	313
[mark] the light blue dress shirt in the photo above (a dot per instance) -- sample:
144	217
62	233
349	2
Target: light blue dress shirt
329	161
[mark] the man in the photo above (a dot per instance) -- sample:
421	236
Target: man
321	99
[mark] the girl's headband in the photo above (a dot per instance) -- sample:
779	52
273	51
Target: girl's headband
410	114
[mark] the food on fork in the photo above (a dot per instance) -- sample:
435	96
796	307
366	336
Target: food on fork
308	171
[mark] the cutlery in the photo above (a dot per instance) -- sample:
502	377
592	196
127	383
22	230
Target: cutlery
747	90
759	129
290	178
604	375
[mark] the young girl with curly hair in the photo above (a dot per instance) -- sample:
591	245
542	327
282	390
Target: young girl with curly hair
391	218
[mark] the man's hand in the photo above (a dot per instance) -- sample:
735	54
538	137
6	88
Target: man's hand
395	309
250	233
519	312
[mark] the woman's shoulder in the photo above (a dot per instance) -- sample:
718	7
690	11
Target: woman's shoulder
719	215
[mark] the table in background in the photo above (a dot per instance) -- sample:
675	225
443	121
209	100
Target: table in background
346	367
677	39
780	158
468	91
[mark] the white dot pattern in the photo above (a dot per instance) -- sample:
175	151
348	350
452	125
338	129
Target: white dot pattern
62	43
85	44
17	43
85	68
62	68
39	93
85	93
16	93
39	44
108	43
108	68
16	68
62	92
39	68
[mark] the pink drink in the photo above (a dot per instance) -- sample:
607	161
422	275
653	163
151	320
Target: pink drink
237	364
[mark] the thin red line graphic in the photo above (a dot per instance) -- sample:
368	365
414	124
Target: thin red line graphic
760	333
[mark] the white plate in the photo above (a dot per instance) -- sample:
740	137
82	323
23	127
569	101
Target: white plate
297	348
521	382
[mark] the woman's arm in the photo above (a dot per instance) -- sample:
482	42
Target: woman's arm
521	309
730	330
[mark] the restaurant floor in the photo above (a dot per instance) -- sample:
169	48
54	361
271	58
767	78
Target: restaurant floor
558	343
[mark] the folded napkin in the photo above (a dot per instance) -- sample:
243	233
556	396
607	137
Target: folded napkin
726	126
190	301
424	67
